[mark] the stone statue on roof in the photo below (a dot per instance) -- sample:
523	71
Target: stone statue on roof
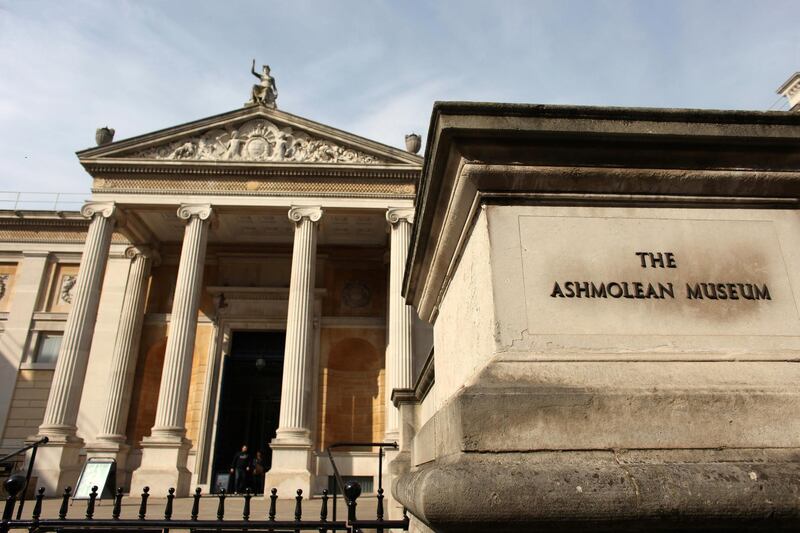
265	92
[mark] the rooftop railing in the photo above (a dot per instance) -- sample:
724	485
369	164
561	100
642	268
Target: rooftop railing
41	201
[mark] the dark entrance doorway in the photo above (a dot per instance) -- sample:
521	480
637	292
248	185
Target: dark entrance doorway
249	401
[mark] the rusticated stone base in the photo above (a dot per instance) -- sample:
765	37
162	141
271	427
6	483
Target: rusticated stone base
606	491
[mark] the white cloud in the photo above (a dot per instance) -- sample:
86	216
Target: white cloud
373	68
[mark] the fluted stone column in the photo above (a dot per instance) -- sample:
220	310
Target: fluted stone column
111	440
399	352
57	465
291	447
165	451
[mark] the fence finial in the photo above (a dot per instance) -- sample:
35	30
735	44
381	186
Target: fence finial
62	512
196	503
143	505
115	512
273	499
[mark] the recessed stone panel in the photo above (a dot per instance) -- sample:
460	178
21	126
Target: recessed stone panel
655	276
632	279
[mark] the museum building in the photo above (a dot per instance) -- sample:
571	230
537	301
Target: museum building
613	295
234	280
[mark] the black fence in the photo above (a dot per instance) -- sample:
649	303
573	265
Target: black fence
34	446
15	484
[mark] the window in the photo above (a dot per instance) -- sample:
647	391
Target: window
47	347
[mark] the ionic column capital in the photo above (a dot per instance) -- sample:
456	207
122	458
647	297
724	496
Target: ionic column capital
298	213
103	209
400	214
201	211
148	252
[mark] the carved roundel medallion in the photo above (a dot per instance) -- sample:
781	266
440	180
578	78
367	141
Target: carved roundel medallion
257	148
356	294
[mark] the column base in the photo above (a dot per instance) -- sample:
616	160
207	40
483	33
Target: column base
58	463
112	447
163	467
291	469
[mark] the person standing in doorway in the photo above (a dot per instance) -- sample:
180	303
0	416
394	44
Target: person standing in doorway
240	468
258	473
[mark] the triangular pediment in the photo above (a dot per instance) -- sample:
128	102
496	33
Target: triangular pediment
257	135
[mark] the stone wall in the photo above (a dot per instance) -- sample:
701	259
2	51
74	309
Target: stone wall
146	382
351	390
197	384
27	408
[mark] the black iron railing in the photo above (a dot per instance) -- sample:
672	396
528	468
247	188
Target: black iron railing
141	522
354	487
24	488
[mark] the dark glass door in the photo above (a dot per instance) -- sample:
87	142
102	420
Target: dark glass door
250	398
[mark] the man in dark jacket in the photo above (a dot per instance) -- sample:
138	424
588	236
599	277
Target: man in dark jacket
240	468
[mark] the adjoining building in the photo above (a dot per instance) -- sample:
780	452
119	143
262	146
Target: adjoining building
614	294
234	280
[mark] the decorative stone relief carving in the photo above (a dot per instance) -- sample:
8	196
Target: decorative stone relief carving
68	282
257	140
356	294
3	284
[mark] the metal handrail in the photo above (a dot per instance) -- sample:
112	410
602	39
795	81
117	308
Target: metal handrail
43	440
34	446
338	478
16	199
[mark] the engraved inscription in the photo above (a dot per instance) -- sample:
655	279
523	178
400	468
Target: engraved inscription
643	291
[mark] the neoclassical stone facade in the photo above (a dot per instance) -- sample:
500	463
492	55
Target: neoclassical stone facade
245	267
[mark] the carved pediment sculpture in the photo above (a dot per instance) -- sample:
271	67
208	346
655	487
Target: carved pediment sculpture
3	284
257	140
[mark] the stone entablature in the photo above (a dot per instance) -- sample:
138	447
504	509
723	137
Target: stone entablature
47	227
124	183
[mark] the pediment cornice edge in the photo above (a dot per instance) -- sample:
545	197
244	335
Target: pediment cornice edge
124	148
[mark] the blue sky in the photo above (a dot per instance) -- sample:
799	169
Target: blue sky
373	68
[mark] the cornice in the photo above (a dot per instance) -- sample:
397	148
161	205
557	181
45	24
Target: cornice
190	192
62	223
164	168
236	116
565	155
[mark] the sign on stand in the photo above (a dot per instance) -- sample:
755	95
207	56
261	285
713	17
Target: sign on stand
99	472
